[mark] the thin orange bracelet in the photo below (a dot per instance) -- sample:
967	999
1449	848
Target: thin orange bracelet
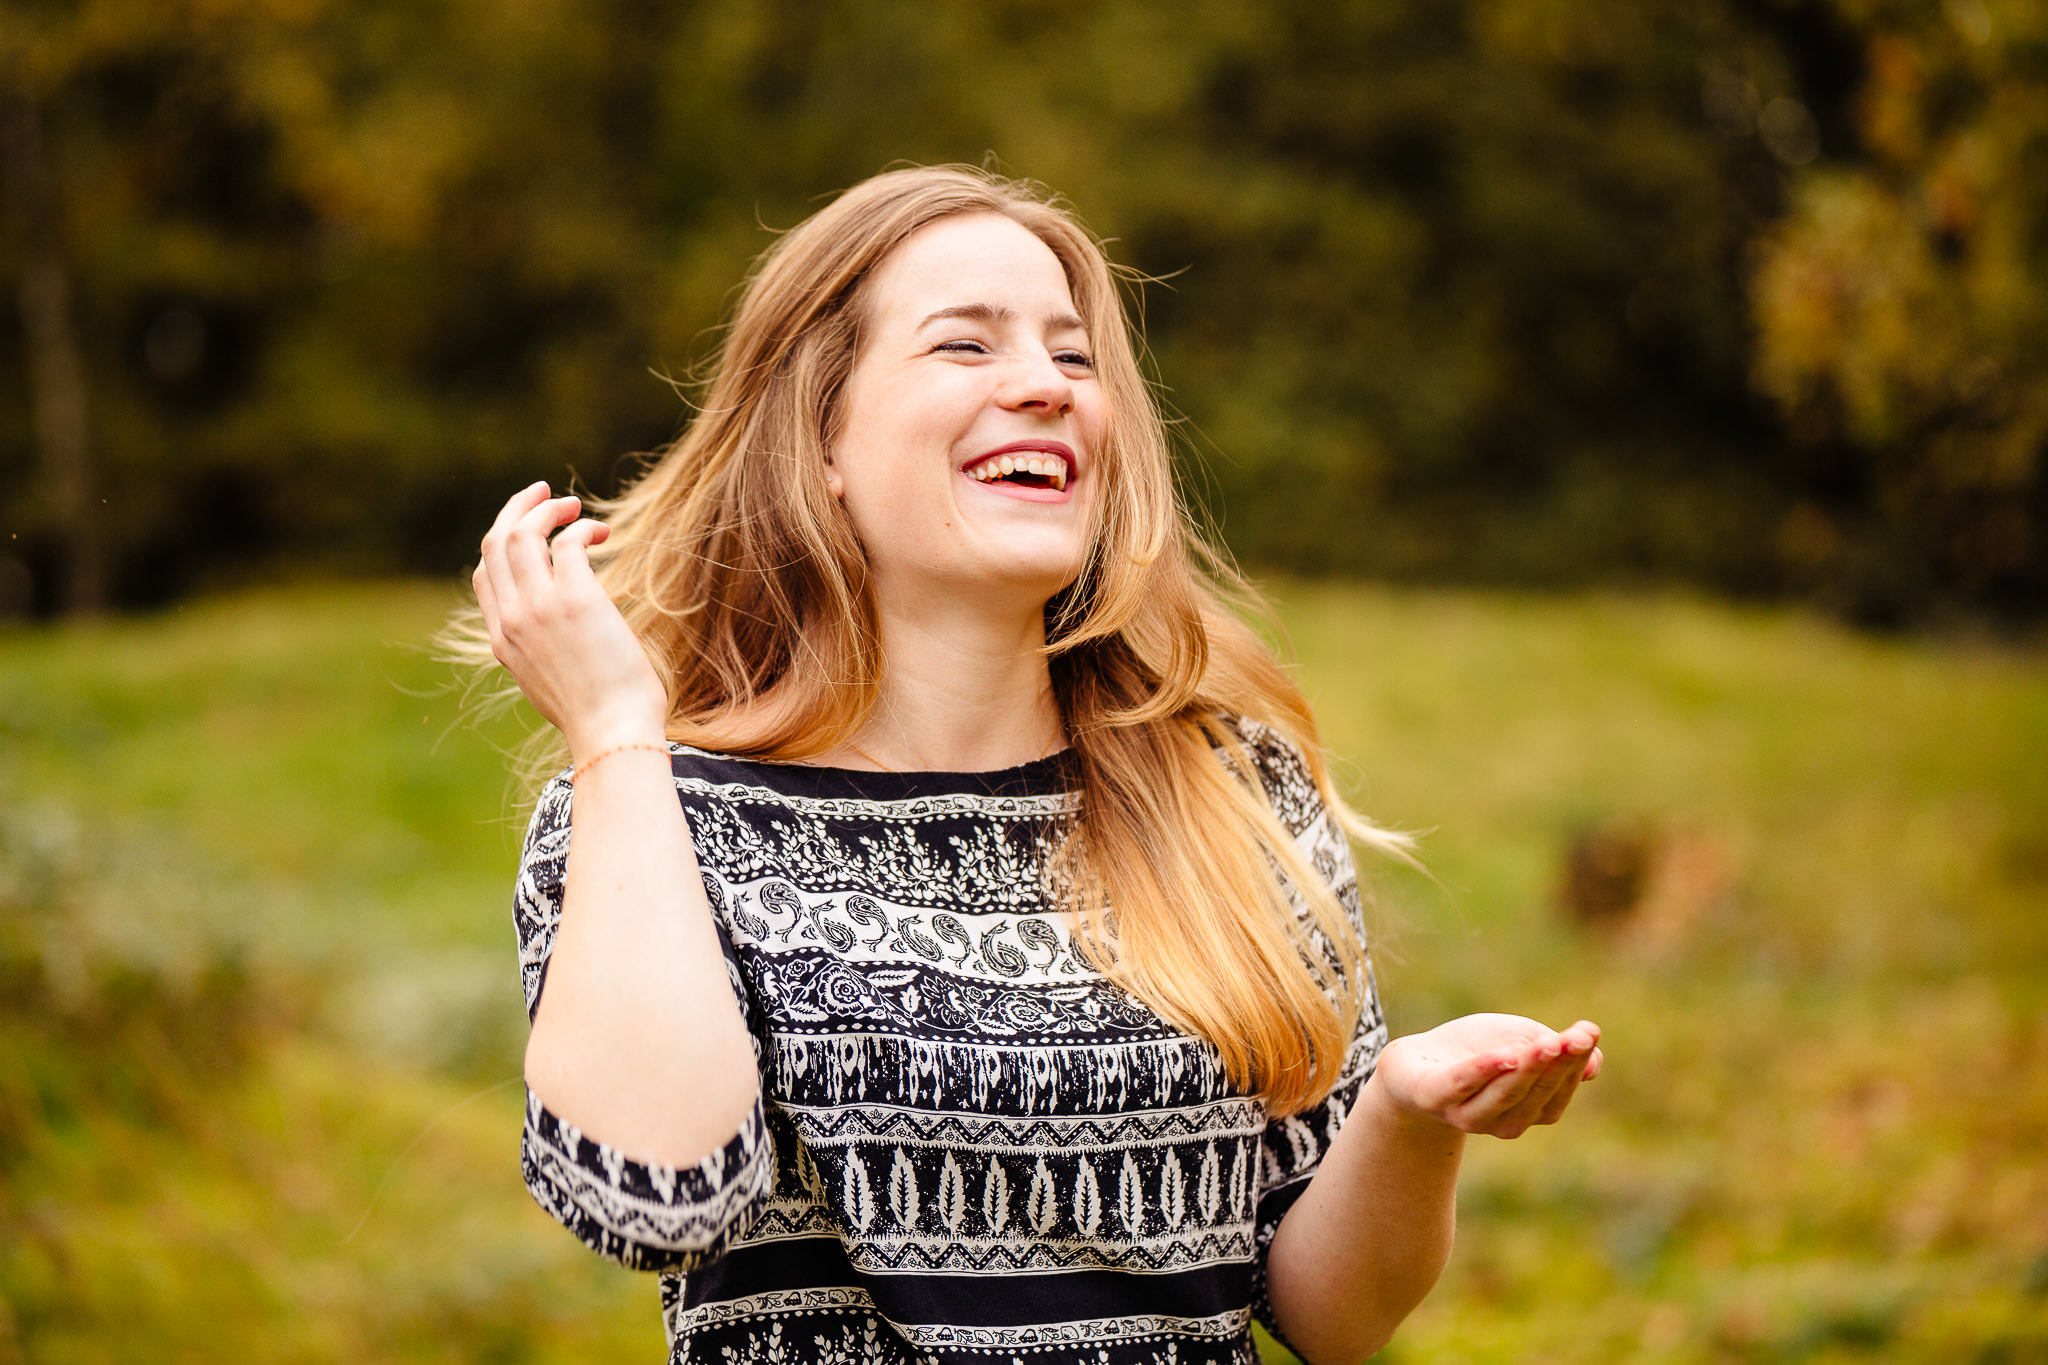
587	764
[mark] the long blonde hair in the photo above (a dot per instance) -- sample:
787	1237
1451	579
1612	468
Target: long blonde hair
744	580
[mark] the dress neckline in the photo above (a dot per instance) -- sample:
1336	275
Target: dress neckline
1052	775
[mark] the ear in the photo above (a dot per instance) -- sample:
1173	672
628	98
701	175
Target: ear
835	483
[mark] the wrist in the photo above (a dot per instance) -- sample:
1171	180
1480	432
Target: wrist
1378	1108
589	740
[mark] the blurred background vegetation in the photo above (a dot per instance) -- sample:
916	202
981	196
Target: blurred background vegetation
1739	293
1727	317
260	1024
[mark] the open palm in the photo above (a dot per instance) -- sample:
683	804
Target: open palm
1499	1074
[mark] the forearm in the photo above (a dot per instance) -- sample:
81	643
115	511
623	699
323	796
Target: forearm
1369	1237
638	1039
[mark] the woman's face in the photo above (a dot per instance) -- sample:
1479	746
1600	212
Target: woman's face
970	425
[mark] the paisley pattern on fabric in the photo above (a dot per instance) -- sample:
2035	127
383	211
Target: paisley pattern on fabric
971	1147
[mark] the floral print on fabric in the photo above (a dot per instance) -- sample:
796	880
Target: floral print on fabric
970	1146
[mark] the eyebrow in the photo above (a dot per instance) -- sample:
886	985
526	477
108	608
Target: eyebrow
988	313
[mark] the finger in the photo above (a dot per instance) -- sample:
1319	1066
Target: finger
517	506
1479	1113
1561	1100
1447	1085
1583	1036
1529	1111
1579	1063
526	548
1530	1065
495	566
1594	1065
570	551
486	599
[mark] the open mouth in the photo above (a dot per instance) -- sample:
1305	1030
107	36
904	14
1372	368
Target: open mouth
1023	469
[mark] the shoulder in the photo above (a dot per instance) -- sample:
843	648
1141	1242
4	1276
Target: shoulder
550	819
1281	768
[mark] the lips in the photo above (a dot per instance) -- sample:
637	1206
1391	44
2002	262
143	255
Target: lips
1042	466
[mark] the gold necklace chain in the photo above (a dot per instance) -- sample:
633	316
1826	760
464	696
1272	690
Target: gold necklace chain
1050	746
869	757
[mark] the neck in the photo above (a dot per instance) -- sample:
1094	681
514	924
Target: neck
964	689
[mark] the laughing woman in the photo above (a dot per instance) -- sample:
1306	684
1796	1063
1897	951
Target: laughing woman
943	944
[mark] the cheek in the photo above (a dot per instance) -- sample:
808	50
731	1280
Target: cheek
898	426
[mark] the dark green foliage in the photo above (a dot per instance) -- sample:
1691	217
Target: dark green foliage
1743	294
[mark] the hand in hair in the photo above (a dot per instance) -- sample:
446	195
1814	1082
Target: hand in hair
1497	1074
636	961
556	630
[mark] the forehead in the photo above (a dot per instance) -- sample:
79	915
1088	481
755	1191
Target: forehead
968	258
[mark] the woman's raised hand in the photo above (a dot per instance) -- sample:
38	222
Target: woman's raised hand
1498	1074
556	630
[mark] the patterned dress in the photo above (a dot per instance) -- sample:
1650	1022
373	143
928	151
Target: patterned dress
971	1148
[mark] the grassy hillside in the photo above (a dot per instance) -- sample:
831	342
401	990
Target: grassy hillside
257	987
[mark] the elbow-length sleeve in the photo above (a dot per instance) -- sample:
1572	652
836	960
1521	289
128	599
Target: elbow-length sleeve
1292	1148
641	1215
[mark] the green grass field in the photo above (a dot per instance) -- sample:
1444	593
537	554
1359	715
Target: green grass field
260	1005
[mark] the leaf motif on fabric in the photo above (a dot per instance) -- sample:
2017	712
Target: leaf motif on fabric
1209	1184
952	1201
858	1194
1130	1197
903	1198
1301	1139
995	1198
1173	1192
1042	1207
1087	1200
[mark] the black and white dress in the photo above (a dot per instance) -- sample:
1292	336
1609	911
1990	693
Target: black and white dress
971	1148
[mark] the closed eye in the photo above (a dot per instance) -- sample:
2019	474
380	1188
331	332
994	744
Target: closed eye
968	346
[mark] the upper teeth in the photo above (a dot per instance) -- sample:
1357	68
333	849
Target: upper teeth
1047	466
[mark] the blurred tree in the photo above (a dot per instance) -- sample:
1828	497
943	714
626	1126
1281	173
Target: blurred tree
1459	288
49	335
1902	325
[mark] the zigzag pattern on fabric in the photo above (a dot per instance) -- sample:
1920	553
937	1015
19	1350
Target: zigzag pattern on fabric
1084	1332
691	1212
889	1069
826	1126
925	1255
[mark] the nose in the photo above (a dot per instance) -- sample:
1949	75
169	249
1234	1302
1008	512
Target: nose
1037	384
